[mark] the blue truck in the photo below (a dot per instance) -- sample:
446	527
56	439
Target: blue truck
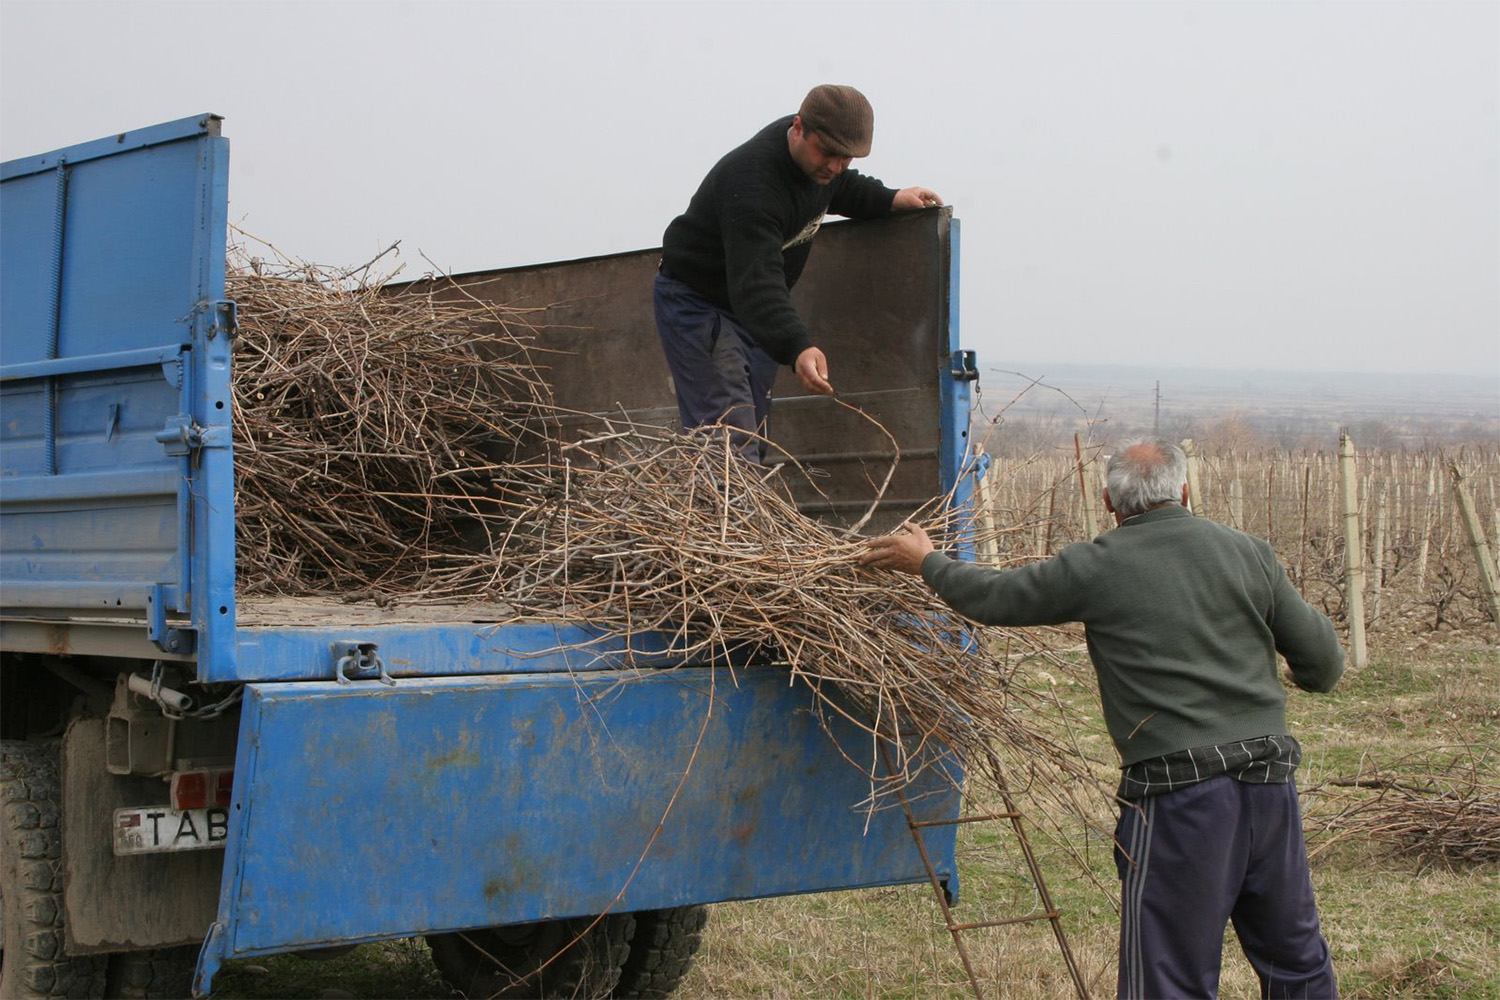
193	775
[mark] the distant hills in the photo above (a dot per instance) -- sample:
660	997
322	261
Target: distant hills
1284	408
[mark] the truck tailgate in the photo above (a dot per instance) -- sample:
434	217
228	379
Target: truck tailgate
530	797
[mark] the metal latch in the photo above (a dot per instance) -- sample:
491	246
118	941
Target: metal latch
352	659
182	435
965	369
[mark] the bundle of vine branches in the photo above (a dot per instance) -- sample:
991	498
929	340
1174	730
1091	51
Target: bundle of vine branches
642	529
1440	805
396	447
362	423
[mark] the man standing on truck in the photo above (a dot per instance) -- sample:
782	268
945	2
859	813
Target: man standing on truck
723	293
1184	619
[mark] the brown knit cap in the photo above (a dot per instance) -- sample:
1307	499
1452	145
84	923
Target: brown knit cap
842	116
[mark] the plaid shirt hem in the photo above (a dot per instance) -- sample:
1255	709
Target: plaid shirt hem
1269	760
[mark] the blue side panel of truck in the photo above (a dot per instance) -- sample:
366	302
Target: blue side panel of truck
116	493
660	789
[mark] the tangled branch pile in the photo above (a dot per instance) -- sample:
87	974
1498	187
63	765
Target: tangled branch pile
363	423
1433	807
387	450
650	530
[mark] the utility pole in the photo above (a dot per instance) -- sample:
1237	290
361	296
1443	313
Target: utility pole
1156	418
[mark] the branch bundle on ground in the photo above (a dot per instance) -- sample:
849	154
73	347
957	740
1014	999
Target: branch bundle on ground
1441	805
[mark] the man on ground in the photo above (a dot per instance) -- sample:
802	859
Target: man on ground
1184	619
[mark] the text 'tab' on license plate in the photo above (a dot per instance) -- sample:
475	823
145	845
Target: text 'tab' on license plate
152	829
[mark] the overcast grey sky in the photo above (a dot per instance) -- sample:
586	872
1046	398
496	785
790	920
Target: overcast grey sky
1233	184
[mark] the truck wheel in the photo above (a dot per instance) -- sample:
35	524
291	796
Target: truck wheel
161	974
502	963
34	963
661	951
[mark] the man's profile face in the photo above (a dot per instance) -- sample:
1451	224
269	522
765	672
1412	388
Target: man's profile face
815	159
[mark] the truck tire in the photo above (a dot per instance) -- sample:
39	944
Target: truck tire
160	974
34	962
661	951
502	963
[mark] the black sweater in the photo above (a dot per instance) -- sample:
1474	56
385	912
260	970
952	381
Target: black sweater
746	234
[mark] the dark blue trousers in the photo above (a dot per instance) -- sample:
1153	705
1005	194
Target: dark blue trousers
1192	860
721	374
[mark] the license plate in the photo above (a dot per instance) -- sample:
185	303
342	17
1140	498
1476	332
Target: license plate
153	829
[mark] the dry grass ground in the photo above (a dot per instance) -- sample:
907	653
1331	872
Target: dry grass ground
1400	926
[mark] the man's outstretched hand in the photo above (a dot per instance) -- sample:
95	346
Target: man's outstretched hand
902	552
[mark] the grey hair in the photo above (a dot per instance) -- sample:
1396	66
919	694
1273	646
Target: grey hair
1145	473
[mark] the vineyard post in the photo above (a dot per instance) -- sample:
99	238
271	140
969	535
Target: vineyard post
1195	496
1039	531
1302	549
1354	552
1495	510
1477	541
1395	475
1330	504
1377	579
1270	493
989	542
1090	521
1100	482
1426	541
1442	524
1051	518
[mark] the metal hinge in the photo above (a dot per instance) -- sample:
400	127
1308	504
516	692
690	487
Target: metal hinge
964	367
225	318
168	640
353	659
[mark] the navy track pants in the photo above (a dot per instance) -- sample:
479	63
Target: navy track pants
1192	860
722	376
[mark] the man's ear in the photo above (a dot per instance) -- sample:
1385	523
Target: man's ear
1185	497
1108	506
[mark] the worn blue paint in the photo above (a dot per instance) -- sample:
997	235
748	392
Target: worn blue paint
528	797
956	451
111	257
305	652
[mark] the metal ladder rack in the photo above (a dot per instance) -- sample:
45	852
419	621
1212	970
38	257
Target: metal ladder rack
955	929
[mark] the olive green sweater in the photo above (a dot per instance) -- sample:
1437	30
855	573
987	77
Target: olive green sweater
1183	618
